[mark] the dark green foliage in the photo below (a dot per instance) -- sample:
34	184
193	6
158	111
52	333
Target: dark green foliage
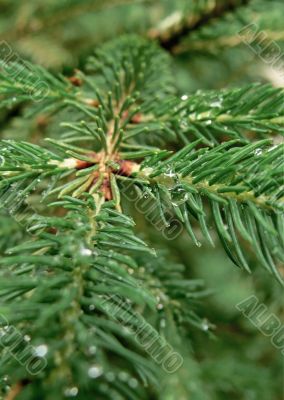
242	182
244	186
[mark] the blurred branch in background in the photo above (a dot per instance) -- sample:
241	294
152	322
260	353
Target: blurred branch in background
179	25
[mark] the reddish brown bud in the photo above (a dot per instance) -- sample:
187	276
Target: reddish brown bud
80	164
126	168
42	121
92	102
136	119
83	164
75	81
106	189
52	230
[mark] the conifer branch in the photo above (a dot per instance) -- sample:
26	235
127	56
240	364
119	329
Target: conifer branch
81	276
241	182
170	38
250	113
84	259
233	175
57	15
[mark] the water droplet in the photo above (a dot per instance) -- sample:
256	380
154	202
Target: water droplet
160	306
258	152
170	173
110	376
71	392
184	97
27	338
92	350
85	252
123	376
95	371
205	325
92	307
216	104
133	383
163	323
153	251
41	350
104	387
